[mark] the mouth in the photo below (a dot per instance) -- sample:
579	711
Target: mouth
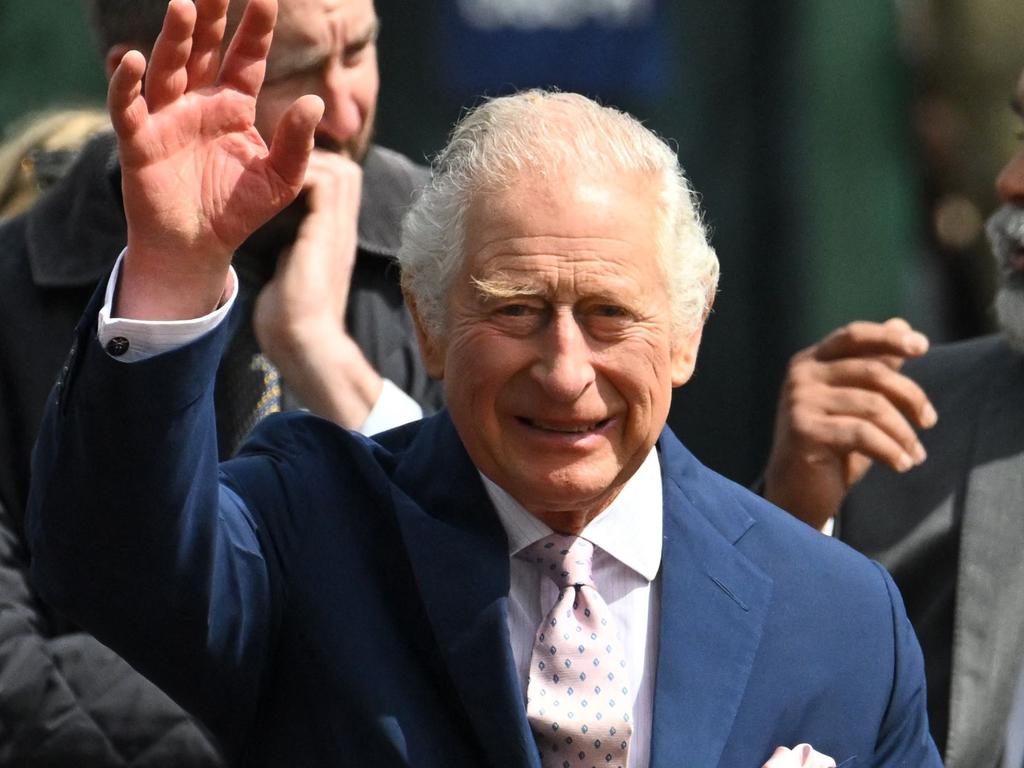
1015	259
564	428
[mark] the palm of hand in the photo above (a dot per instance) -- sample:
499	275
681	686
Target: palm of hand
197	171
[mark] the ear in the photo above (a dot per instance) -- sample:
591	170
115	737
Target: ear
684	351
684	357
432	349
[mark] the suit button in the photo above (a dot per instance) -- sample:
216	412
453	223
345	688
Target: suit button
117	346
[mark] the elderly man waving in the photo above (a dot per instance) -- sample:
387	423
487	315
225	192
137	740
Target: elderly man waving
541	575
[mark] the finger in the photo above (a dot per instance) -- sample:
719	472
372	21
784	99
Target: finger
812	758
293	141
338	183
204	61
843	435
782	758
880	412
167	78
861	338
245	62
128	110
876	378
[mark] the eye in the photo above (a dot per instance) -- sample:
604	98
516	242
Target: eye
354	54
518	317
606	319
514	310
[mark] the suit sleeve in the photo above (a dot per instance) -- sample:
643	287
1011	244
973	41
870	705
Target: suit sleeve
904	738
132	534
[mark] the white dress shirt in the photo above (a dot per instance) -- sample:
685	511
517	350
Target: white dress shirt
627	555
147	338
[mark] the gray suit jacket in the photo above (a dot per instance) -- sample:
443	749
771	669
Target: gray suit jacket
951	532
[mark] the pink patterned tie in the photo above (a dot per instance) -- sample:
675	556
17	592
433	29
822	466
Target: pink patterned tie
578	699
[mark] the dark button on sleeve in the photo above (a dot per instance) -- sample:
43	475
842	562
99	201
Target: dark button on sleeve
117	346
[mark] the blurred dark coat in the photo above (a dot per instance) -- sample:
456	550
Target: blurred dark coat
66	700
951	532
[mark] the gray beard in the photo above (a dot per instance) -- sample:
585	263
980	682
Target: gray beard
1009	306
1005	229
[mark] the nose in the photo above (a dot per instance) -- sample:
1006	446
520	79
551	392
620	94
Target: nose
564	367
1010	181
342	119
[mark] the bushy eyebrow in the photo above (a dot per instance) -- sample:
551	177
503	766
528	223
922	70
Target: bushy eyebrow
370	35
502	287
310	58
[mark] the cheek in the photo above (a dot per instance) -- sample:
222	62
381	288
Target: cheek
479	363
643	365
367	88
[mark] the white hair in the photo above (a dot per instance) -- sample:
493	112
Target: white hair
537	132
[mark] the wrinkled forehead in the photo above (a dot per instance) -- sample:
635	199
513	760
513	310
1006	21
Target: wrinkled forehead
311	21
578	214
305	19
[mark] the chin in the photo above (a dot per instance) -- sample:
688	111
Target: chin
1009	306
569	489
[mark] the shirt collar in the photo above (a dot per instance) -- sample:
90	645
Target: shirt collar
629	529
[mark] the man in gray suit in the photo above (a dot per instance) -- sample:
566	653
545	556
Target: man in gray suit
943	511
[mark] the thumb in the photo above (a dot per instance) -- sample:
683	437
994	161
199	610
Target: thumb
293	140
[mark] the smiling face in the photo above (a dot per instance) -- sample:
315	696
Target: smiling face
558	358
327	48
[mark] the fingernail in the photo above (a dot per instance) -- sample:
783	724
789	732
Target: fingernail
920	454
915	343
905	462
928	416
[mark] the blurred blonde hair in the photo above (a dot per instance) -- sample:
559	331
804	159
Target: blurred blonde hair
56	136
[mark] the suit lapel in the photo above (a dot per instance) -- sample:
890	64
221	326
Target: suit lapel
713	607
459	556
989	621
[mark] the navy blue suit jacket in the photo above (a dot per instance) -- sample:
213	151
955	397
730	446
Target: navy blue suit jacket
325	599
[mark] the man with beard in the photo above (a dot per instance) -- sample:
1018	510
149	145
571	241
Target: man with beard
942	512
321	310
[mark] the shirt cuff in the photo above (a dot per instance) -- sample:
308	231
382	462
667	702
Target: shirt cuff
392	409
132	340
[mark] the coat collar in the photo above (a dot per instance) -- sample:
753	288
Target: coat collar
75	232
713	600
714	603
449	527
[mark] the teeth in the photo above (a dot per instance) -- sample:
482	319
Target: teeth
559	428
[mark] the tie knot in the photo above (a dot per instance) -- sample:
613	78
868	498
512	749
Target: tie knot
565	560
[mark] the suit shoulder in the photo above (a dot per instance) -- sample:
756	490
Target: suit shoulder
383	163
391	182
770	537
309	443
964	361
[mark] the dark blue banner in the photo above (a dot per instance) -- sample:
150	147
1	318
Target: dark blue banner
607	48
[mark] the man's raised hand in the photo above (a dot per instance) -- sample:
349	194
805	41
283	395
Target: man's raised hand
843	405
197	177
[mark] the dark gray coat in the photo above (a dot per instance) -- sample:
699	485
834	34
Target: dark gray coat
951	532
